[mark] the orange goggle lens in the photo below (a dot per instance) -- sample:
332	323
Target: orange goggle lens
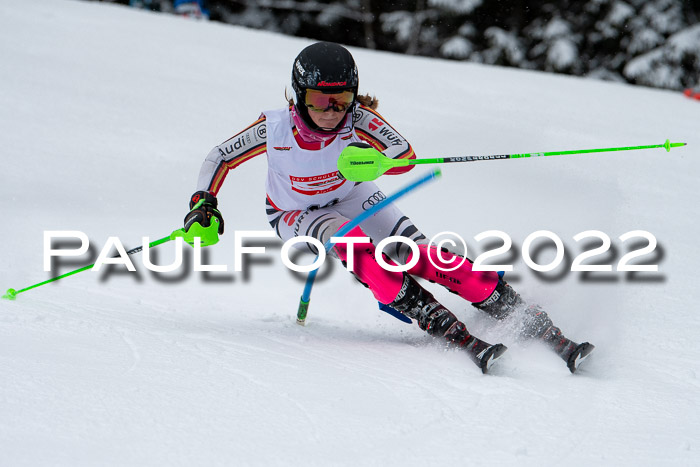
317	101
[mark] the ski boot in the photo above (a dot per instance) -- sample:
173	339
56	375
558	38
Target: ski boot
571	352
419	304
535	323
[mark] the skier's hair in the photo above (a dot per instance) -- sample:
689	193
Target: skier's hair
371	102
364	99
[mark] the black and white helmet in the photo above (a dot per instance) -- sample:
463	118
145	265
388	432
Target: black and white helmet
323	66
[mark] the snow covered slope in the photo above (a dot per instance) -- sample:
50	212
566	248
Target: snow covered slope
106	114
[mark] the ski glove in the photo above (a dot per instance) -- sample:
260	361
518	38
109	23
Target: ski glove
362	146
204	211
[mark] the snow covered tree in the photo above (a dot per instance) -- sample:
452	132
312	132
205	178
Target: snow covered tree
673	65
664	50
503	48
554	45
649	42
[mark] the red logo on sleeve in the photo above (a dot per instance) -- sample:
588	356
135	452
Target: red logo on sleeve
375	123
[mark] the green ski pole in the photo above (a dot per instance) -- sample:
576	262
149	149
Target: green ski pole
361	165
11	294
208	236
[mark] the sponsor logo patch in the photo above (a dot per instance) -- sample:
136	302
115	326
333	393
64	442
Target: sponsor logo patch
332	83
316	184
375	123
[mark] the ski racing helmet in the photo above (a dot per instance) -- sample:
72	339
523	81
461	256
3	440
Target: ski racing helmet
324	68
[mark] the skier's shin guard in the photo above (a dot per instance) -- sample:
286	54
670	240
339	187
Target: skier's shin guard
419	304
416	302
505	302
434	265
385	285
535	323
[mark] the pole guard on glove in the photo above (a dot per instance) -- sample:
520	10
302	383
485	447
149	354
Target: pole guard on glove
204	220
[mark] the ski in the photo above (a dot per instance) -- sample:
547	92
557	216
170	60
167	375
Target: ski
578	355
486	358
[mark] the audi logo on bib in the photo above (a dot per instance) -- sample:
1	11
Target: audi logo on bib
376	198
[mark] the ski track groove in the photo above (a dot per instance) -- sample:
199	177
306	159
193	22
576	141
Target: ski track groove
227	365
136	356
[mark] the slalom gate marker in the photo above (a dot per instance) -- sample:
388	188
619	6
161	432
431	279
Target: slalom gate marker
365	166
689	93
306	294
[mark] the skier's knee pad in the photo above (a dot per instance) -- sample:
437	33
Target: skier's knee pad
436	265
384	284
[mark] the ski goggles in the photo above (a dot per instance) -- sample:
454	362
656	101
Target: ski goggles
317	101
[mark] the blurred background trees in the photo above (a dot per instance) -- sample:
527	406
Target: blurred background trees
648	42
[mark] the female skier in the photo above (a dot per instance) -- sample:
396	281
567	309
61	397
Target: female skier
306	196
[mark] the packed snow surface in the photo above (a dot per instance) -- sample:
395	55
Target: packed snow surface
106	115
